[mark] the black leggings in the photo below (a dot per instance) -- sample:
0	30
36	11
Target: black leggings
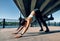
40	17
41	20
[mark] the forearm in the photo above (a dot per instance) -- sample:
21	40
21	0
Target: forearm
19	29
26	28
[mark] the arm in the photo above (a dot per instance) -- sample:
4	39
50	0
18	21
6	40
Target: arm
24	30
26	27
20	28
29	19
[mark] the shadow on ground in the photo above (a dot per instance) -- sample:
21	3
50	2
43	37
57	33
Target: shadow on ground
40	33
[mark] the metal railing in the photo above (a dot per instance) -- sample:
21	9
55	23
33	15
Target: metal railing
12	23
9	23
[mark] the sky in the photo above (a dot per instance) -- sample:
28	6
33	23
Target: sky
9	10
56	16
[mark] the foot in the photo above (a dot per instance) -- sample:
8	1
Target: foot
41	30
18	36
47	31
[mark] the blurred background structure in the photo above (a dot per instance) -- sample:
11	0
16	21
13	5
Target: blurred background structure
12	14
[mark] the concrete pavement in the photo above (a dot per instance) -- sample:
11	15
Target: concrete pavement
33	34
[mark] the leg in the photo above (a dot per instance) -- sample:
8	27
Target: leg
40	17
44	23
39	24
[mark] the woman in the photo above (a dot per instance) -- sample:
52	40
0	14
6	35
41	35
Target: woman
26	22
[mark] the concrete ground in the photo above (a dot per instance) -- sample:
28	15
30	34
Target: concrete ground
33	34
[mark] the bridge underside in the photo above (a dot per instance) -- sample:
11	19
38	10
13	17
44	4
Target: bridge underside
47	7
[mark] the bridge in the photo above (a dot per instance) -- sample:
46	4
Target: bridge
47	7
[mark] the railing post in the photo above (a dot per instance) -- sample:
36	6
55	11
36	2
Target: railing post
3	23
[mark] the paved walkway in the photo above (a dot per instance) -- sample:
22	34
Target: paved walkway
32	34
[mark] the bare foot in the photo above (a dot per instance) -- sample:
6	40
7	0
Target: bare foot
41	30
18	36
